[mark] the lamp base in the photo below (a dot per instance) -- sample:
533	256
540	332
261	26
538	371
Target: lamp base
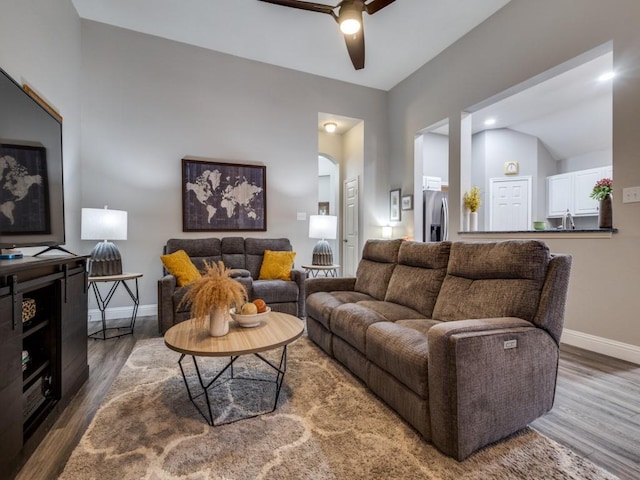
105	260
322	254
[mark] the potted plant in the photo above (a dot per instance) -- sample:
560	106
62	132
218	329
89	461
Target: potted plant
472	204
212	296
602	192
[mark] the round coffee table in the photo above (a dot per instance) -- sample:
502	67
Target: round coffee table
277	330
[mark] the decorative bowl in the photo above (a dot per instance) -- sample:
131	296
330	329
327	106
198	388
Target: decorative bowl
249	320
539	225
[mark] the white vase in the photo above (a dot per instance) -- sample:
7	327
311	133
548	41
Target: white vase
219	319
473	222
465	221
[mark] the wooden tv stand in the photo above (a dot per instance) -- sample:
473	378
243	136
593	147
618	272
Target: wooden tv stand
54	340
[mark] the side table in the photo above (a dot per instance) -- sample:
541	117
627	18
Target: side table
103	302
328	270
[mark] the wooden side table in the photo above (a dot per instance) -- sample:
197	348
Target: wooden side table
103	302
328	270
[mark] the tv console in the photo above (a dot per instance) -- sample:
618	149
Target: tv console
43	348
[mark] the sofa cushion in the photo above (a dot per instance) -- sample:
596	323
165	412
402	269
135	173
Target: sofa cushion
390	311
275	291
417	278
180	266
276	265
254	251
232	252
403	352
498	279
378	261
351	321
320	305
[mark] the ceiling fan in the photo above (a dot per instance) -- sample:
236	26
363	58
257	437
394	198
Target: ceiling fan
348	16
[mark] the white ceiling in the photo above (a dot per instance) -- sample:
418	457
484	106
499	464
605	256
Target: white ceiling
399	39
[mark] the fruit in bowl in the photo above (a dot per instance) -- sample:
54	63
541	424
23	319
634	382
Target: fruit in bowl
246	319
261	305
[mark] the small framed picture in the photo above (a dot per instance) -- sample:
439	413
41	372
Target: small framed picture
510	168
394	205
407	202
323	208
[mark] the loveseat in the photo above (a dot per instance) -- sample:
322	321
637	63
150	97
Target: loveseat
245	256
460	339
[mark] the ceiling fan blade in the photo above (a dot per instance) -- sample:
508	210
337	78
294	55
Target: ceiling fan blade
355	47
313	7
376	5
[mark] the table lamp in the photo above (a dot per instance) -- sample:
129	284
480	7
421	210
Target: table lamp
104	224
323	227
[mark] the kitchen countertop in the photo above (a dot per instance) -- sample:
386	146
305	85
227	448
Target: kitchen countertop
577	233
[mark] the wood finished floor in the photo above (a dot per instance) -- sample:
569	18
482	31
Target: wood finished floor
596	413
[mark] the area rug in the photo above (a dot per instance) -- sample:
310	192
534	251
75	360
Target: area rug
327	425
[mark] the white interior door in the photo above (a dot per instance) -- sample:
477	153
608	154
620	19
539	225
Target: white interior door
350	228
510	204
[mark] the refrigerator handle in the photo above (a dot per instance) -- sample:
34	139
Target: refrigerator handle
445	219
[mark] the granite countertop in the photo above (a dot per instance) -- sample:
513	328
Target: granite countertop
552	230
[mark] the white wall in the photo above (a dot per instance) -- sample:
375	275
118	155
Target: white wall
148	102
520	41
40	46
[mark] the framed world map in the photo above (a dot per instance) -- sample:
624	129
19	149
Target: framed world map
220	196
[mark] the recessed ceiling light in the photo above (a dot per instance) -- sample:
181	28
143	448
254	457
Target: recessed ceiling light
330	127
606	76
490	121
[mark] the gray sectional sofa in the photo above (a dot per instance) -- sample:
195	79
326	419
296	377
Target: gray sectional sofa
245	256
460	339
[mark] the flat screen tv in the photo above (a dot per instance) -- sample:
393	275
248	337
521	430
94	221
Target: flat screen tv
31	187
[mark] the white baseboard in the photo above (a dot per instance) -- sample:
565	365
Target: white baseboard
122	312
611	348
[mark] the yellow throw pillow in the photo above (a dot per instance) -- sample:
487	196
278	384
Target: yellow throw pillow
180	266
277	265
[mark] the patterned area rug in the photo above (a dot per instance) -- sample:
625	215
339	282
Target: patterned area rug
327	426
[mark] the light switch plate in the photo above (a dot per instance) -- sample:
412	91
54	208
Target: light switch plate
631	195
302	215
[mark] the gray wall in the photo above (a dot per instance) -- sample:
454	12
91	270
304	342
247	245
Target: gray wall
148	102
522	40
40	46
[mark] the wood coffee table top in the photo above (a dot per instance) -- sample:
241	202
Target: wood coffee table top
277	330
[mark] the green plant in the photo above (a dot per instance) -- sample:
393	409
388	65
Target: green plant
472	199
602	188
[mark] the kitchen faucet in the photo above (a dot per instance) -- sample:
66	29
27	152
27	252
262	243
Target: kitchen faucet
567	221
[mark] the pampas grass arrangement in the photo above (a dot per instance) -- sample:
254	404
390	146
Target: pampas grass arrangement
215	289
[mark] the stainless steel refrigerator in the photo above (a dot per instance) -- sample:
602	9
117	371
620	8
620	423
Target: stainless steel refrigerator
435	227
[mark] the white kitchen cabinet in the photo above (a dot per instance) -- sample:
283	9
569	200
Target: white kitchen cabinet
559	194
571	191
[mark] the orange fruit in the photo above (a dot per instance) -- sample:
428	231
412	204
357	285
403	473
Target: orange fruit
261	304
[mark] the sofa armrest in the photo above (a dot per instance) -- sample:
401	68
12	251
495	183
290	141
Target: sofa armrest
488	378
299	277
329	284
166	286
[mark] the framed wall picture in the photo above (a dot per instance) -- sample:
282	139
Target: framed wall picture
323	208
394	205
407	202
220	196
25	190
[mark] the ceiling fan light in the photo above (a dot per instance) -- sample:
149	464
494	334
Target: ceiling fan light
330	127
350	20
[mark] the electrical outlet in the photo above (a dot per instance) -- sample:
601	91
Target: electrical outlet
510	344
631	195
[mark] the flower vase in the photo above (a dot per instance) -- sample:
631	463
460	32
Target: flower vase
473	222
219	319
605	213
465	221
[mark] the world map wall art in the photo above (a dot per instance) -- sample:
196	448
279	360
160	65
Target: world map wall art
24	195
223	196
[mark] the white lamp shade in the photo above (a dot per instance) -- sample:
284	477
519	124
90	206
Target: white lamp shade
103	224
387	231
323	226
